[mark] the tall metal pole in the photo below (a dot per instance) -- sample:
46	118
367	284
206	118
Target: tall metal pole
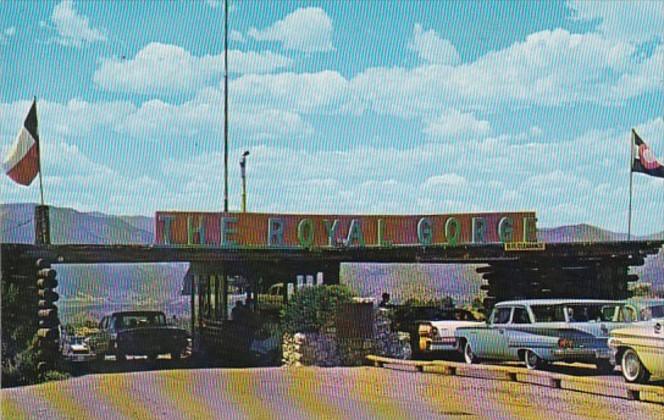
243	170
631	162
226	106
41	183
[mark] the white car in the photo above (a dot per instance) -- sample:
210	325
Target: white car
77	349
437	334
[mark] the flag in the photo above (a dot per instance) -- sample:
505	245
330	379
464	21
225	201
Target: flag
643	159
22	161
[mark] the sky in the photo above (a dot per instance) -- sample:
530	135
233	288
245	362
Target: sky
377	107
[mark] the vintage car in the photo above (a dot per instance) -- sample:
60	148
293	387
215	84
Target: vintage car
76	349
438	334
542	331
138	333
639	350
431	328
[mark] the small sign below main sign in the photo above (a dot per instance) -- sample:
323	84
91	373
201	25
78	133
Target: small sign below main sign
525	246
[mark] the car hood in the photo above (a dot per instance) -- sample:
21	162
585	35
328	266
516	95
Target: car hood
640	329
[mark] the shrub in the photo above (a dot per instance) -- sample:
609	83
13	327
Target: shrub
313	308
21	370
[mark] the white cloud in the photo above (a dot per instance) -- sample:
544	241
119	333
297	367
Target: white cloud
548	68
632	21
6	34
447	180
236	36
322	92
215	3
164	68
157	120
453	124
306	29
432	48
76	118
74	29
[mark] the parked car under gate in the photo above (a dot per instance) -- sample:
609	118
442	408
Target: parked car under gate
138	333
542	331
437	335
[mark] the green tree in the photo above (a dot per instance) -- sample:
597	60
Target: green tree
314	308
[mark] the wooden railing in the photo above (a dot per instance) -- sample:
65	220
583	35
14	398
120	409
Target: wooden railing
649	393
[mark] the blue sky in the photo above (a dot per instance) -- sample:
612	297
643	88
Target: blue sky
346	107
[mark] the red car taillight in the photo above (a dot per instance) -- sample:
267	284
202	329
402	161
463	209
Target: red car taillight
565	343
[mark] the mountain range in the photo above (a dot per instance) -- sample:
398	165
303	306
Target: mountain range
163	282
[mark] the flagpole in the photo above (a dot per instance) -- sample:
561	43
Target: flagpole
631	173
226	106
41	183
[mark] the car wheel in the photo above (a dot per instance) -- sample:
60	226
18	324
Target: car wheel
120	356
176	355
153	356
100	357
468	355
632	368
533	361
604	366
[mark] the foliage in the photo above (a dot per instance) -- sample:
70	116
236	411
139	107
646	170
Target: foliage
19	324
21	369
54	375
314	308
641	289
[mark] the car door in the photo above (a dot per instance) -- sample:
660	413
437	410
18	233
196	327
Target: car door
101	339
517	333
491	341
501	335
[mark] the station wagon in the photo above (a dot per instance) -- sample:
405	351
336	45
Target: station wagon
542	331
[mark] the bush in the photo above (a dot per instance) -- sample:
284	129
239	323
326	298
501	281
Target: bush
21	370
314	308
54	375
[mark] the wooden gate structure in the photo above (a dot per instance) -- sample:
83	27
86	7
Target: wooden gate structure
278	247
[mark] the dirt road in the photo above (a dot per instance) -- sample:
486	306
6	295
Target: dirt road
303	393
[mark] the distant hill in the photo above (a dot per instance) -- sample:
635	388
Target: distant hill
74	227
587	233
137	282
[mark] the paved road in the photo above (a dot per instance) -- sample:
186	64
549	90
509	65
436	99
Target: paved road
303	393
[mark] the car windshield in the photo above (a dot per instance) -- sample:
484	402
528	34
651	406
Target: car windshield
76	340
141	320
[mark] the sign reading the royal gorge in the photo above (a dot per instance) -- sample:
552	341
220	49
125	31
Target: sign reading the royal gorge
319	231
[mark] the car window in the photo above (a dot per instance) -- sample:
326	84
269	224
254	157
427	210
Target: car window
627	314
651	312
141	320
520	316
590	312
548	313
501	315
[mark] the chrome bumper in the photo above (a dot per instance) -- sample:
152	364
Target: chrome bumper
585	354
